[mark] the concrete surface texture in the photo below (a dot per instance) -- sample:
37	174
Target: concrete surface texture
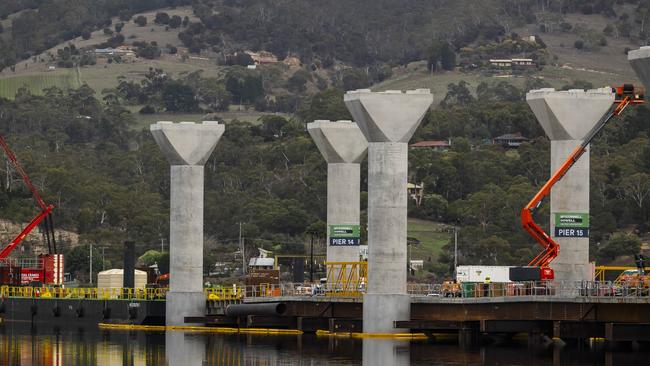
343	146
388	121
640	62
567	116
395	115
187	146
339	142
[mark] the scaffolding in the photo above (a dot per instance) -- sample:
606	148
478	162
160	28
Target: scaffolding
346	279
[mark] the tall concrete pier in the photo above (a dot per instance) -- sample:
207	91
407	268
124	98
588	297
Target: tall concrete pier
567	117
343	146
186	146
388	120
640	61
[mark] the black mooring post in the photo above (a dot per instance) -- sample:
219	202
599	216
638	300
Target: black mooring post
129	265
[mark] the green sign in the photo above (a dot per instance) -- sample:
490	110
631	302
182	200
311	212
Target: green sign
571	224
571	219
344	235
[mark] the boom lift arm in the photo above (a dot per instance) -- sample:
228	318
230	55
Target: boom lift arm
625	95
44	215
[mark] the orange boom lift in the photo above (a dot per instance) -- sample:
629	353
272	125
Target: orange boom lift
539	268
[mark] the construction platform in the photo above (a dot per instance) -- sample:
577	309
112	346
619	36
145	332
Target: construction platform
589	314
596	310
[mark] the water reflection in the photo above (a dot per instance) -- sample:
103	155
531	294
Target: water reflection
27	346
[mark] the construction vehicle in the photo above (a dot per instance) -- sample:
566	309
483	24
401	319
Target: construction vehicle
635	277
539	268
47	268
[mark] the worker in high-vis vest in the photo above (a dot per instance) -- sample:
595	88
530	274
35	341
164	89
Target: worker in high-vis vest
486	286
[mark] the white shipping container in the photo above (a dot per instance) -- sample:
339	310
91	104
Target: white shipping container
479	273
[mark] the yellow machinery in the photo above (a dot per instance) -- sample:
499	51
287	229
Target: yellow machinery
346	279
601	270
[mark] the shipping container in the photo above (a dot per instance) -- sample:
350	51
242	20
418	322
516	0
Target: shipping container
480	273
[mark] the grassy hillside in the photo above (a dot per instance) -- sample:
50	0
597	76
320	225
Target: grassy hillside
63	79
432	236
416	76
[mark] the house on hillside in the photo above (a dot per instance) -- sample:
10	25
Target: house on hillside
437	145
262	57
515	63
415	192
510	140
292	61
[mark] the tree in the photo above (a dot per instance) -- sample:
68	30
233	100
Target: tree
272	126
327	104
161	18
178	97
353	79
77	262
297	83
457	94
619	244
447	57
434	55
637	188
140	20
118	27
175	21
244	85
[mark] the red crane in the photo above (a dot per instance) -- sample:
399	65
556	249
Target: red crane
624	96
44	215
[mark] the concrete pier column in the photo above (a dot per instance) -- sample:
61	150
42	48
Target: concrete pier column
343	146
640	62
388	120
186	146
567	117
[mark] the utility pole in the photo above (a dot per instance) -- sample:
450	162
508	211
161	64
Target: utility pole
243	252
311	259
455	251
91	264
103	261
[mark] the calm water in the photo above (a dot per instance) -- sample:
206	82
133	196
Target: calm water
20	345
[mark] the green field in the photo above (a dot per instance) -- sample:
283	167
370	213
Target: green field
62	79
432	236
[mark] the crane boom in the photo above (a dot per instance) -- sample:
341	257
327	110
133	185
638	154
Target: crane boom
46	209
625	95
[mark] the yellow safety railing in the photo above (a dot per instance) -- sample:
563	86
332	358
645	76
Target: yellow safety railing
225	293
92	293
346	279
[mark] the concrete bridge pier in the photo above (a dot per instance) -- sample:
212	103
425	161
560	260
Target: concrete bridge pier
640	62
343	146
388	120
567	117
187	146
